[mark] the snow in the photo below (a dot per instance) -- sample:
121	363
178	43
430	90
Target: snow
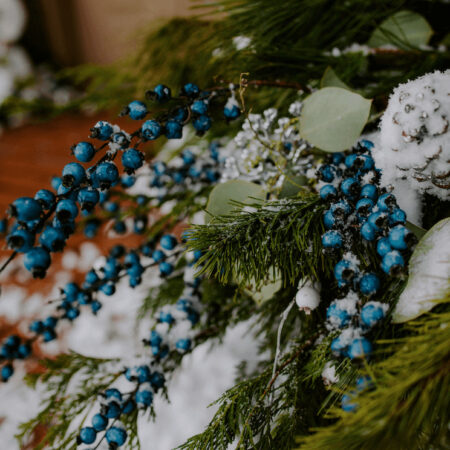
429	274
12	20
414	136
329	375
241	42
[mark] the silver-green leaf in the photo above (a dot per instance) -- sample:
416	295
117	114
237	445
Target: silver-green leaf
404	29
333	118
221	197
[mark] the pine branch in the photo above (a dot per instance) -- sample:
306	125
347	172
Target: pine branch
281	238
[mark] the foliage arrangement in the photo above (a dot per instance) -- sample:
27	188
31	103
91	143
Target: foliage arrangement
305	203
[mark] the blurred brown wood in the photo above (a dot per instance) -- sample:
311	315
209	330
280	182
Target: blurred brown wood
102	31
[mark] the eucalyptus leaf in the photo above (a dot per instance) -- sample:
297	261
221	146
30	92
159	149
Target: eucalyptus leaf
292	185
330	79
221	197
333	118
429	274
404	29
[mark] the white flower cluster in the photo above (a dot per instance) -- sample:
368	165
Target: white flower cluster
266	149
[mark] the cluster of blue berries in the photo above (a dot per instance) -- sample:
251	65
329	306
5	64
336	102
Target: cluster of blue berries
360	211
172	333
192	105
118	264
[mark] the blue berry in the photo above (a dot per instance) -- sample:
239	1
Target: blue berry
158	256
137	110
383	246
168	242
329	220
132	159
400	238
83	151
56	183
111	207
6	372
155	338
369	191
191	90
363	383
199	107
336	316
24	350
398	216
369	284
119	227
332	239
173	129
66	210
96	306
378	220
344	271
359	348
127	180
3	226
162	93
386	202
116	436
37	261
48	335
348	404
392	262
37	326
202	123
46	198
364	206
106	174
25	209
231	111
72	313
328	192
165	317
337	158
180	114
99	422
73	174
367	144
88	435
52	238
338	346
367	232
151	130
371	313
21	240
112	410
183	345
341	208
113	393
165	268
326	173
157	380
111	268
67	227
144	396
128	406
350	187
108	289
101	130
88	198
50	322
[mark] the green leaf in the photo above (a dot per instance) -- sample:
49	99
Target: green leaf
330	79
332	118
404	29
221	197
292	185
429	272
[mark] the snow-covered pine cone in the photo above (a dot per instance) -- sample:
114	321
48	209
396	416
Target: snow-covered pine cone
415	135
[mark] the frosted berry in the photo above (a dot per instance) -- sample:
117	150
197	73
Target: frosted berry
168	242
173	129
328	192
336	316
368	232
87	435
6	372
359	348
400	238
190	90
107	174
132	159
369	191
202	123
183	345
369	284
99	422
137	110
199	107
25	209
165	268
101	130
151	130
73	174
372	313
116	435
46	198
88	197
37	261
162	93
348	404
83	151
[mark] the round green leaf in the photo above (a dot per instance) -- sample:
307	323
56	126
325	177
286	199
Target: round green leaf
330	79
221	197
332	118
403	29
429	274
